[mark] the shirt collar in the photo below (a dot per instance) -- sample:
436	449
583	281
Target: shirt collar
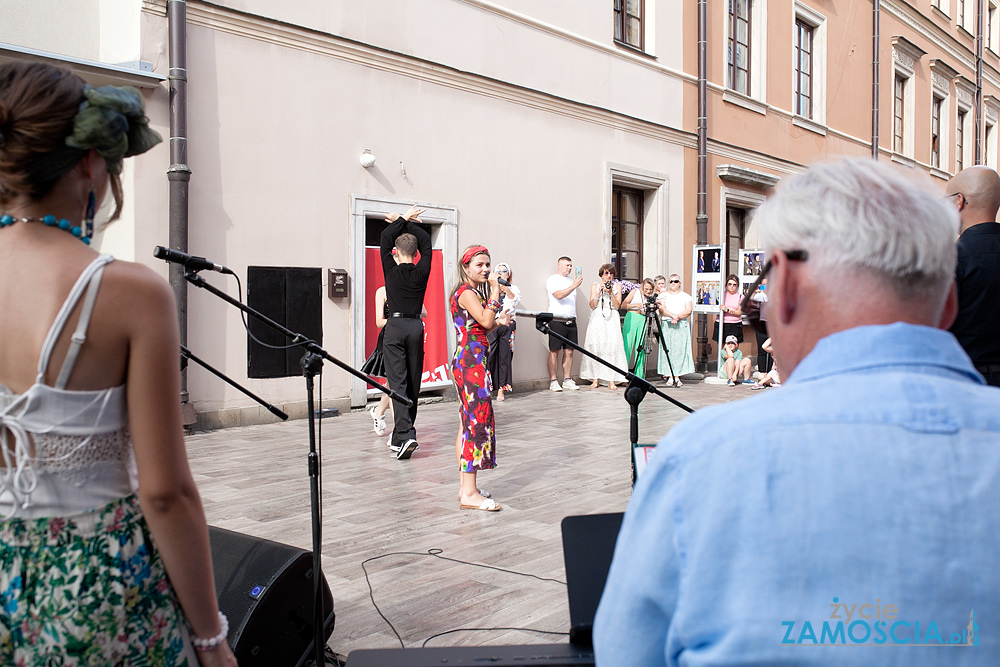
982	228
879	346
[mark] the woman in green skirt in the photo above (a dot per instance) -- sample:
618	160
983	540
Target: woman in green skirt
635	327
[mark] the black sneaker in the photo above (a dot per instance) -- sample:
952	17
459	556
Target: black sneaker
407	449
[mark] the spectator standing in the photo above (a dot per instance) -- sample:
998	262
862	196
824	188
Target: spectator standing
501	361
635	326
604	331
883	428
675	307
562	302
975	192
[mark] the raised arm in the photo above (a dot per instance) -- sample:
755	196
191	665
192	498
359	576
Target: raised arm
563	293
167	492
469	300
423	245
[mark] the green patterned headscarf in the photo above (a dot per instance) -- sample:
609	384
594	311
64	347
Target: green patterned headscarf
112	121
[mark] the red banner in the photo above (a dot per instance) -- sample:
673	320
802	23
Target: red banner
436	358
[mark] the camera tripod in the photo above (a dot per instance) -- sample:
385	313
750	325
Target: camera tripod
649	333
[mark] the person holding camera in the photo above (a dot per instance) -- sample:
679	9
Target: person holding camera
639	304
604	331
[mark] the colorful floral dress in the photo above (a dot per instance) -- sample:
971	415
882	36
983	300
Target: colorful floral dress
469	369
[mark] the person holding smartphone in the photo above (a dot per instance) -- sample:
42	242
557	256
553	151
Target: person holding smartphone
562	303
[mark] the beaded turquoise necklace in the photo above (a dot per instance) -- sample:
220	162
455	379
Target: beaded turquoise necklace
49	221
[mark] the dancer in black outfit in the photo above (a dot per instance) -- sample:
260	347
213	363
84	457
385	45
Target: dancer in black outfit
403	345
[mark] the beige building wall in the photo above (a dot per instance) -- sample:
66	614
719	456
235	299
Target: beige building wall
512	121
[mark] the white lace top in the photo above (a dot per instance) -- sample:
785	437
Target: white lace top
65	451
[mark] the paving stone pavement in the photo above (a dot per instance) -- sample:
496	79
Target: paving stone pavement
558	454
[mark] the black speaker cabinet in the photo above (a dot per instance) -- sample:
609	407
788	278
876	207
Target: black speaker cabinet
265	589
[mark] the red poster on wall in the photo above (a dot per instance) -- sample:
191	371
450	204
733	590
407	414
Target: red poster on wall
436	358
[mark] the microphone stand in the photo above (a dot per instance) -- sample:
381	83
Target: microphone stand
312	363
637	387
186	354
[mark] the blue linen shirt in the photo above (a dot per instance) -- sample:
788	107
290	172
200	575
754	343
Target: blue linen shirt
872	477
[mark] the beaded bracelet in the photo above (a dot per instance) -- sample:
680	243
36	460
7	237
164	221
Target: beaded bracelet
494	305
201	644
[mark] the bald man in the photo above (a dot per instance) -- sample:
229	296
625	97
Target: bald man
975	192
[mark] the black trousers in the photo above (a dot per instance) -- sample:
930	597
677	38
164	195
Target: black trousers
403	349
763	358
501	355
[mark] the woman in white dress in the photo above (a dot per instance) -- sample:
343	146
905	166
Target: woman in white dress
604	331
675	313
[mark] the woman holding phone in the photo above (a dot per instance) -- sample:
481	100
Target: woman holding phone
475	303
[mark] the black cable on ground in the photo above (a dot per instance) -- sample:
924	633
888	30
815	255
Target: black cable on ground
436	553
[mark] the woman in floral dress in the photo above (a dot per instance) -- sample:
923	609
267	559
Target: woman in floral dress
104	549
474	307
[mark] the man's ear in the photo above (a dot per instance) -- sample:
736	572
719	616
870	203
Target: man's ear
786	282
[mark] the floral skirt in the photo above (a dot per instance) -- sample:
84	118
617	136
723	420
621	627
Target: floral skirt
479	447
88	589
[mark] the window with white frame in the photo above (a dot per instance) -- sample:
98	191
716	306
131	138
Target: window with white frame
809	64
989	145
936	104
991	36
941	75
942	5
966	15
960	134
738	46
629	23
802	63
899	115
905	59
745	47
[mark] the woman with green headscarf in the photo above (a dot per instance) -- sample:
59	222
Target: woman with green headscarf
104	553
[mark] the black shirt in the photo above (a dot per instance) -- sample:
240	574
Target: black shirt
977	326
405	283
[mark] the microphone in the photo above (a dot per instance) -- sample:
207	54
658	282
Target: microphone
545	317
190	262
503	282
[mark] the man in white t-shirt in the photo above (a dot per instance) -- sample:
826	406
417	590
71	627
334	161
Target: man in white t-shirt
562	302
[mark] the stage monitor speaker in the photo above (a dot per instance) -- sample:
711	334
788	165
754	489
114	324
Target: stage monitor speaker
265	589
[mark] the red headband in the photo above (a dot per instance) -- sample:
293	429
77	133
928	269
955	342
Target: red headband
472	252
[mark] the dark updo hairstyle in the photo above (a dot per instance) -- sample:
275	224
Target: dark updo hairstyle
606	267
38	103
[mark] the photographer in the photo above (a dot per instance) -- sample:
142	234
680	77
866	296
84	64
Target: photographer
639	303
604	331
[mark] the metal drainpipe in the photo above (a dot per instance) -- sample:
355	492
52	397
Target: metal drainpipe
702	217
179	173
979	82
875	77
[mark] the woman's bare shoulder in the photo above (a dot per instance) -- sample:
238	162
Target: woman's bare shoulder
137	289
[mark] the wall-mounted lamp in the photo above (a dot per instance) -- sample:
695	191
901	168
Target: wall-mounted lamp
367	159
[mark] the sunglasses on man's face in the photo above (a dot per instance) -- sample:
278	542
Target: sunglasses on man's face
674	281
751	307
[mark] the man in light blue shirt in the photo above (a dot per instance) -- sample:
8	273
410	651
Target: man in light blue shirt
852	516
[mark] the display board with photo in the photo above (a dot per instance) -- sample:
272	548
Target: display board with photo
706	278
751	264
